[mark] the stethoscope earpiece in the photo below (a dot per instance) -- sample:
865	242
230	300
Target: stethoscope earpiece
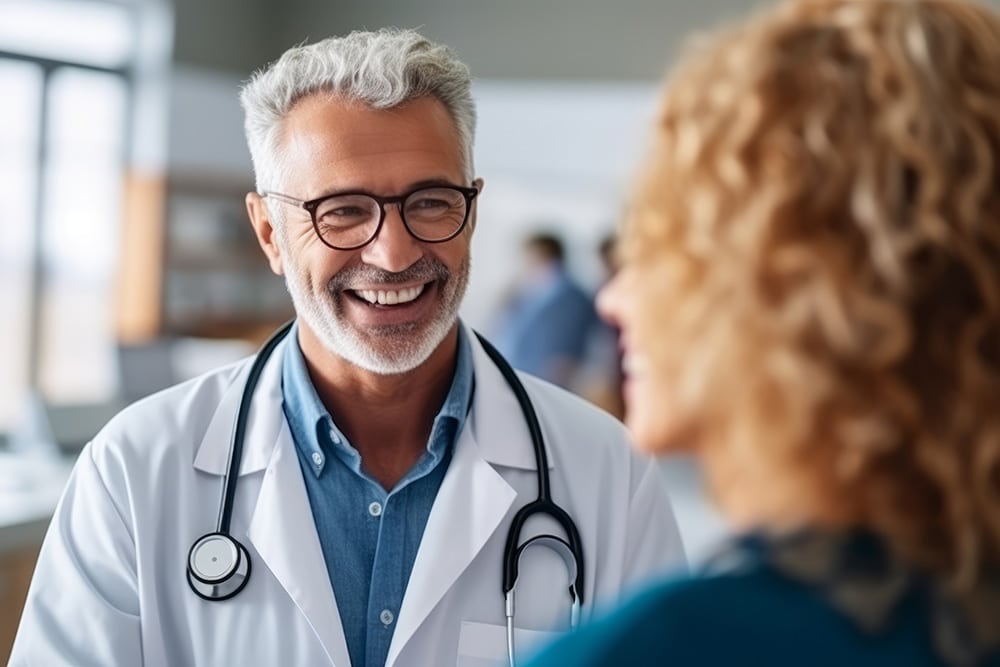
218	567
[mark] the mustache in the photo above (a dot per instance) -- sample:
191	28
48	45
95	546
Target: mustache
423	270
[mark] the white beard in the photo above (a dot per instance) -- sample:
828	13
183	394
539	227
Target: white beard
389	350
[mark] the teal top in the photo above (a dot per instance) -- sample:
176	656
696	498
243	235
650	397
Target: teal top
851	606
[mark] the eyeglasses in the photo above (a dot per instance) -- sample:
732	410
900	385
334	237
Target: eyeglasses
350	220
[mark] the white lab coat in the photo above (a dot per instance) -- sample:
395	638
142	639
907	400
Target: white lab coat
110	586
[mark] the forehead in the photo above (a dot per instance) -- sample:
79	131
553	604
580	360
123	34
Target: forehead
329	142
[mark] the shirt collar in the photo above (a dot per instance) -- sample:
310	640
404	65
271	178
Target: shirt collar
313	426
459	399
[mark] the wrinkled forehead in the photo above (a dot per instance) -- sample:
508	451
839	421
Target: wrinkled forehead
324	134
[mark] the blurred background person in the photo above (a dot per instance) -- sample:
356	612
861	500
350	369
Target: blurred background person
546	318
602	378
811	302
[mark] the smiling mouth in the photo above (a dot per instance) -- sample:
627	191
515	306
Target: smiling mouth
389	297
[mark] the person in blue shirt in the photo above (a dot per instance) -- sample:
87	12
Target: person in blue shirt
810	303
545	324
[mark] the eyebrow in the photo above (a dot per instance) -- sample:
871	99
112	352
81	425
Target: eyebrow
426	183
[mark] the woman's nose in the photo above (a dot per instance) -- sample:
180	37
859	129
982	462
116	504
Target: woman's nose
609	301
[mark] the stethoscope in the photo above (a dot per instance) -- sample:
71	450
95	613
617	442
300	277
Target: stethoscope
219	565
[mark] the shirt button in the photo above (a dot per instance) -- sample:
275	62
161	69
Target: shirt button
317	458
386	617
375	509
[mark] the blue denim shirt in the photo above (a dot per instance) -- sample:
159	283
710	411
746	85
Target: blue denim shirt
369	536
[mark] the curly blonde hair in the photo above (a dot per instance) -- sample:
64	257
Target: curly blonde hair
820	224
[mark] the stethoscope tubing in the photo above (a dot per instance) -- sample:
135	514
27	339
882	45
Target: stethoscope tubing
543	504
220	589
239	430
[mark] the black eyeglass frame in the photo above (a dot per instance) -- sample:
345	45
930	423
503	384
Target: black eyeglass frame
311	206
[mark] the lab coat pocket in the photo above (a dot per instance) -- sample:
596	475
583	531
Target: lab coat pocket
485	645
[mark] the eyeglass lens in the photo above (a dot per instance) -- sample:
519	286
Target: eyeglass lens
431	214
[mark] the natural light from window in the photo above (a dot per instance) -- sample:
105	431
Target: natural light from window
94	33
63	124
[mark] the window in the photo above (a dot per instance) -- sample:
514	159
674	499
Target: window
19	136
92	33
80	221
63	129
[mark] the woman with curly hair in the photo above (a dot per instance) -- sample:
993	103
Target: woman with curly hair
810	302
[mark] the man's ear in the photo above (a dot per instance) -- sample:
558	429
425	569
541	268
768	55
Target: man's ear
260	219
474	213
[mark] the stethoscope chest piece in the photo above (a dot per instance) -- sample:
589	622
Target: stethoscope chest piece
218	566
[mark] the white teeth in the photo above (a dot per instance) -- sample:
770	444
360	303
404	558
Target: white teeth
390	297
634	364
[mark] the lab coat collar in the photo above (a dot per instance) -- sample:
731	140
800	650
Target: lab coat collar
501	431
502	434
264	421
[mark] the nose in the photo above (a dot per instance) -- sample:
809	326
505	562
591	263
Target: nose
609	300
393	248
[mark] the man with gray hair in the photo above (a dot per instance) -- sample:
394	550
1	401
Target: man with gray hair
387	471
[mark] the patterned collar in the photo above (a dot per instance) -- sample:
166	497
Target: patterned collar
860	576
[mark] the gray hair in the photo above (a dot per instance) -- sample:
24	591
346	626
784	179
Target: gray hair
382	69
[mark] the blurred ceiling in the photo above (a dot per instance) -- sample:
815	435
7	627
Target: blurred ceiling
630	40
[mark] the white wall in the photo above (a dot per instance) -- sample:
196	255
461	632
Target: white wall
205	126
581	40
556	154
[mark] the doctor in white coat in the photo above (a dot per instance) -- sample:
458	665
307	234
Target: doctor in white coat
385	455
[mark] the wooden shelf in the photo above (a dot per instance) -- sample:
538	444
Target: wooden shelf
192	264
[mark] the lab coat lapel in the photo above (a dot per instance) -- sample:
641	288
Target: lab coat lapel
283	533
264	420
281	528
473	500
470	505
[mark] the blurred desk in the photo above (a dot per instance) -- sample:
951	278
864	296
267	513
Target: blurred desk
30	487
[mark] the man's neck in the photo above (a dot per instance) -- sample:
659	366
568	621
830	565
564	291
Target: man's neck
387	418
